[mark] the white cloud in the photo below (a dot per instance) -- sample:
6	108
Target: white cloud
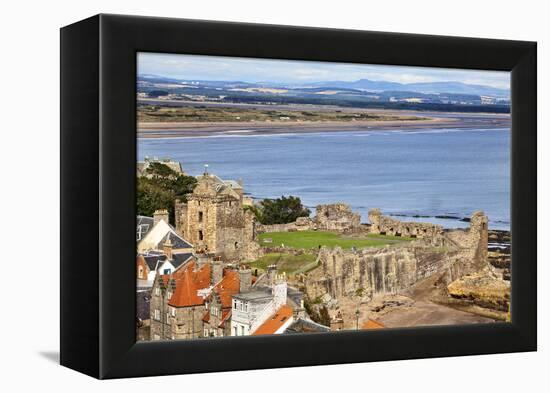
289	71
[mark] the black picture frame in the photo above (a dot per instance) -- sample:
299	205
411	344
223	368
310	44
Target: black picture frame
98	161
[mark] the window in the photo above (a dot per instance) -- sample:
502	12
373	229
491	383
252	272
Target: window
242	330
173	309
205	333
168	295
167	318
200	216
157	291
201	235
140	272
167	271
157	315
234	304
235	329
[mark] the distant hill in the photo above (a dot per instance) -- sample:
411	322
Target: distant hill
422	87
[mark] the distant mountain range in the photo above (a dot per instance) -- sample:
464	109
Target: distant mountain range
450	87
422	87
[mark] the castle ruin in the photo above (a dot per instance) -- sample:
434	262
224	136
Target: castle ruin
371	271
214	218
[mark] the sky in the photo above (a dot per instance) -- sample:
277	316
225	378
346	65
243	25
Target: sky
194	67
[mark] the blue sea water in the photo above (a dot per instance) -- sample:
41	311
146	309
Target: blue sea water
432	172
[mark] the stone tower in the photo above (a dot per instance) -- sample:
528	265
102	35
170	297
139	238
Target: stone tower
479	237
374	218
213	218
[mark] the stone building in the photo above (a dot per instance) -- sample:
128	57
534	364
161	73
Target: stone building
177	302
215	219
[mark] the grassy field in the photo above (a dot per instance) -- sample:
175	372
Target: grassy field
152	113
313	239
287	263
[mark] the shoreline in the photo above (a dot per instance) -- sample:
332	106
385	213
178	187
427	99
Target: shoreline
204	129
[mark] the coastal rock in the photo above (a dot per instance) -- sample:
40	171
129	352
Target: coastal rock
483	289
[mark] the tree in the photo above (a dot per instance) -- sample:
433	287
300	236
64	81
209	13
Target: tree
281	210
160	187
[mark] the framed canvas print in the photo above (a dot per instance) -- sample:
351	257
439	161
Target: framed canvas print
298	196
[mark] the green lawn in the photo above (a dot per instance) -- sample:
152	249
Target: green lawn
285	262
312	239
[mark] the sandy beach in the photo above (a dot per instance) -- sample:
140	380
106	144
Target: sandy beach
429	120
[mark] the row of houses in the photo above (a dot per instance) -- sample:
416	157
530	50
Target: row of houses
187	293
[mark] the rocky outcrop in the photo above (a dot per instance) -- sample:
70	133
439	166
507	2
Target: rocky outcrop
482	289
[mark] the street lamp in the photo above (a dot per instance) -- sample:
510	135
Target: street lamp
357	319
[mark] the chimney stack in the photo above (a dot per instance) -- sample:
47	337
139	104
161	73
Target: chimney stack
202	259
216	273
161	214
271	273
245	279
167	247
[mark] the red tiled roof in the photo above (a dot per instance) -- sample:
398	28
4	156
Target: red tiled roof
188	283
227	287
226	314
206	317
372	324
274	322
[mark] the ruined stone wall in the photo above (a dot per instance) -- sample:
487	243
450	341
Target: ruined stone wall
337	217
290	227
229	230
344	273
180	213
384	225
368	271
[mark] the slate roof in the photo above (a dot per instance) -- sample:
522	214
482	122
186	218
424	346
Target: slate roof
152	259
180	258
259	293
143	225
158	235
176	240
306	326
